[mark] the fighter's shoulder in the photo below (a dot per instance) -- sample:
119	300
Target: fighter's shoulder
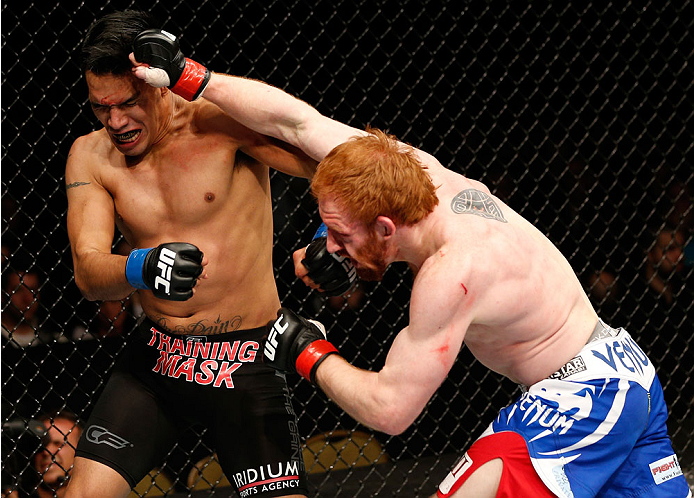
92	144
90	150
446	272
444	291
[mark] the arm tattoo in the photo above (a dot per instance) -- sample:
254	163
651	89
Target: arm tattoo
475	202
76	184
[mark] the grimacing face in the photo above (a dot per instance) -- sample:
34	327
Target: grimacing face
355	241
128	108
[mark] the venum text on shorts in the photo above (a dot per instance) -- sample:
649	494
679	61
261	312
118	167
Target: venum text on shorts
533	410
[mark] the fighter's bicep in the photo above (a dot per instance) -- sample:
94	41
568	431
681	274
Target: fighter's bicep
281	156
441	311
414	369
90	220
90	215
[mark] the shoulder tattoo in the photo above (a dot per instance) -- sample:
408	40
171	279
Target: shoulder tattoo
471	201
75	184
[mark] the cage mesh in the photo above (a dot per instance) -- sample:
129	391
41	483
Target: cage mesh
578	115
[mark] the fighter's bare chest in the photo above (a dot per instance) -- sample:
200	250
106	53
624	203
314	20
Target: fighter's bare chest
179	185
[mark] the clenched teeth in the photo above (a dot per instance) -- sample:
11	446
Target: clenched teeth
128	136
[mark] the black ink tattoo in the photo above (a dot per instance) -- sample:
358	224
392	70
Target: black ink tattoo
475	202
76	184
202	327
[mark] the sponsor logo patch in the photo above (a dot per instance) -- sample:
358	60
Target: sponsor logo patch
195	359
100	435
571	367
665	469
267	478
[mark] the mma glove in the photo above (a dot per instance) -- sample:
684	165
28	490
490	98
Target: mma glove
333	273
170	270
168	66
296	344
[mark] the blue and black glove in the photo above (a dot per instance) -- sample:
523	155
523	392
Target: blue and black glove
169	270
333	273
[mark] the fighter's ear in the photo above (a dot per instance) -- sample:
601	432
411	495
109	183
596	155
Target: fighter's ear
385	227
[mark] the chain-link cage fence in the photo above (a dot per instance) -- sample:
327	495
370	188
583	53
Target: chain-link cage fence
579	115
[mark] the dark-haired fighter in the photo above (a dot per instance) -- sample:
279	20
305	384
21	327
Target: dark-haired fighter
188	186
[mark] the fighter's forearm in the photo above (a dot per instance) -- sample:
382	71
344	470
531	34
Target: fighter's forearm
271	111
359	393
101	276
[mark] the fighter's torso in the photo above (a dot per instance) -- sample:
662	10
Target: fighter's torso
194	187
527	311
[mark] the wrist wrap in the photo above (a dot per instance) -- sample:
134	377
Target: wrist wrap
308	360
193	80
133	268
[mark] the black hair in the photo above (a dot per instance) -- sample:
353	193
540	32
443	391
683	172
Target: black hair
109	40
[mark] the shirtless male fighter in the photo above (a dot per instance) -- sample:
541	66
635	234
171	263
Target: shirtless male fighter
164	169
591	418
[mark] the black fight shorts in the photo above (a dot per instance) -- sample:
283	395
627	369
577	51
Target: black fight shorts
165	383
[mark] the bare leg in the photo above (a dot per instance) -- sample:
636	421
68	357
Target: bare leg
90	478
483	483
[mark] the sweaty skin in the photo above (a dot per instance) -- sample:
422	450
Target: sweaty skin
484	275
166	170
500	286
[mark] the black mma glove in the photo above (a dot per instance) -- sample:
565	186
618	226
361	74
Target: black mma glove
160	50
296	345
170	270
333	273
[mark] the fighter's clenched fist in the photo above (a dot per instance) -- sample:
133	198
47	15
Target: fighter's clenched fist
295	344
167	64
334	274
170	270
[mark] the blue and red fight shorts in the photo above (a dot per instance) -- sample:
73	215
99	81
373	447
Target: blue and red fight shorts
595	428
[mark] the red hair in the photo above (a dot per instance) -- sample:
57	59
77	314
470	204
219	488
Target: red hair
376	175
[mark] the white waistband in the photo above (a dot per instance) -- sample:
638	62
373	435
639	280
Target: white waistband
610	356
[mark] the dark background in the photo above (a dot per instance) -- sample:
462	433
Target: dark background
579	116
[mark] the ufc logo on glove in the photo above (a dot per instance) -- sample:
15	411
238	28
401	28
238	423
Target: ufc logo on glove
296	344
271	344
170	270
165	265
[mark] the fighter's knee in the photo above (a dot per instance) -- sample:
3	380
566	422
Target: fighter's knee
89	475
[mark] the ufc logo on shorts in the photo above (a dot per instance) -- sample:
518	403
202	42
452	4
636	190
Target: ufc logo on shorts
165	265
271	343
